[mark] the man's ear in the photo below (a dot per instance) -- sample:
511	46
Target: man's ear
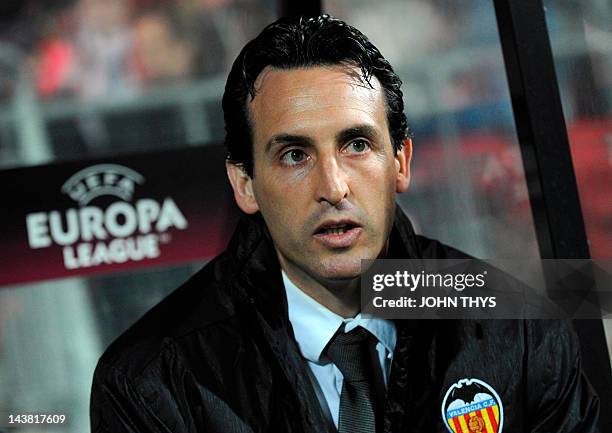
242	184
402	165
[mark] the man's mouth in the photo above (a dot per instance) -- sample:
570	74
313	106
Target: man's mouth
338	234
336	229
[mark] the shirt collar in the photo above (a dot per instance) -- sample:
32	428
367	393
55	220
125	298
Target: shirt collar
314	325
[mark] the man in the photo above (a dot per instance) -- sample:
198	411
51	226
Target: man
268	336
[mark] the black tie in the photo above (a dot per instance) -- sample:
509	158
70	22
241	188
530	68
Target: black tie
350	352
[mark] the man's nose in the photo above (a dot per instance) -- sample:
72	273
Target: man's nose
332	182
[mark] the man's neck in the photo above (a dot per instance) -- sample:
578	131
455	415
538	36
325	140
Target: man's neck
341	297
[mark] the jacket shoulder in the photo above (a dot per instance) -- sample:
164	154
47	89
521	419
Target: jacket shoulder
203	301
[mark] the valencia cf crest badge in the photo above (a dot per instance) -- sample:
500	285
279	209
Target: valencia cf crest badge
472	406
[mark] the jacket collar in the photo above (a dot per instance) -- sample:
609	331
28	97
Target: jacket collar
257	281
258	271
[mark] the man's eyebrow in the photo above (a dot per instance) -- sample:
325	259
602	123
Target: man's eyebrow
342	136
283	139
367	131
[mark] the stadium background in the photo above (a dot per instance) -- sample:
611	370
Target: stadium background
138	83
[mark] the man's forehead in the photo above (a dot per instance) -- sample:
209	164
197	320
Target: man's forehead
337	73
316	103
285	96
275	83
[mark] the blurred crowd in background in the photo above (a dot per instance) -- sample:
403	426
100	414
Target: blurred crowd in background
129	75
96	78
92	49
117	75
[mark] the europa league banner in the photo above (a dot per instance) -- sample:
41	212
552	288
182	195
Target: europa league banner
114	214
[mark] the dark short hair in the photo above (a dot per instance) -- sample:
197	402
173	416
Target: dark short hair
299	42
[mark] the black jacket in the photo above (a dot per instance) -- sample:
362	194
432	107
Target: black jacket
218	355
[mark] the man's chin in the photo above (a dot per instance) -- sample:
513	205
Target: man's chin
340	273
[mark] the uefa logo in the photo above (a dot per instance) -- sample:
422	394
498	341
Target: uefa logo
90	235
102	179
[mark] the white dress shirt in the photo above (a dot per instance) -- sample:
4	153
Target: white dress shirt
314	325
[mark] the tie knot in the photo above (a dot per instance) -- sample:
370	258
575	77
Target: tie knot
350	352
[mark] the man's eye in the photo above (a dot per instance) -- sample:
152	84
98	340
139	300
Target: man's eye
294	157
358	146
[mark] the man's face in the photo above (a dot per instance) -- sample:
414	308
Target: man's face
325	170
